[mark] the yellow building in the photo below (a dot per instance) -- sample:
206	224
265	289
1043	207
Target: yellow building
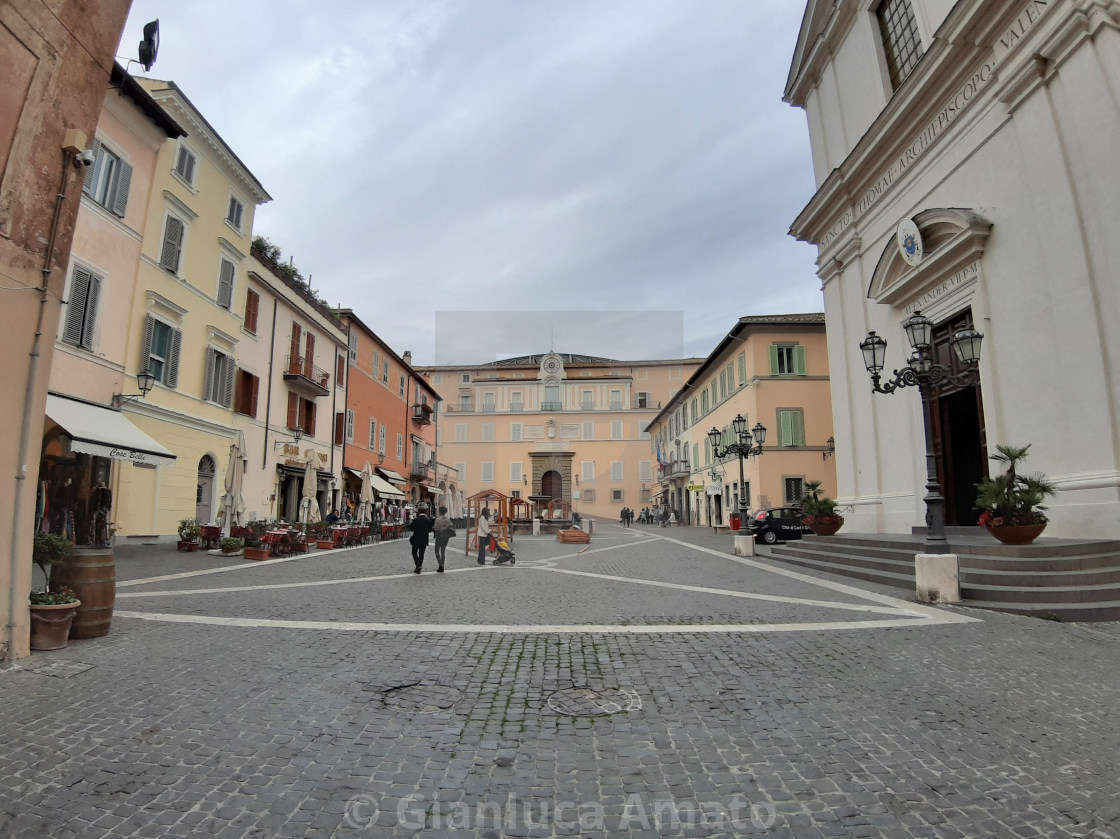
773	370
558	426
185	324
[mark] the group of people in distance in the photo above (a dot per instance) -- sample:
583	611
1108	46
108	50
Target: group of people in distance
443	531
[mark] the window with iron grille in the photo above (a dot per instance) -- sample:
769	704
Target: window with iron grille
793	488
901	43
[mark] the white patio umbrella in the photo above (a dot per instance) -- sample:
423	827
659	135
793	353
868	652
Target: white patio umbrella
365	507
233	505
309	506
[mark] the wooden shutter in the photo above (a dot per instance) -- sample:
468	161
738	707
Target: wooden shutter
146	350
293	354
309	357
88	182
227	384
255	388
173	358
172	244
225	284
76	306
773	360
241	393
124	181
340	371
339	419
208	384
252	304
799	359
309	417
93	295
293	410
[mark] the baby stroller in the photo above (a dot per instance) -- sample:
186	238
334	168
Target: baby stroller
504	554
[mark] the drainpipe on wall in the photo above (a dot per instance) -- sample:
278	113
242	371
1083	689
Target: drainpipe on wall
25	422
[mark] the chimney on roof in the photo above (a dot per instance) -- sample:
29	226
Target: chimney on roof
408	357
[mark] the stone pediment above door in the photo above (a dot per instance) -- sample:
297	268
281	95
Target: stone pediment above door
952	243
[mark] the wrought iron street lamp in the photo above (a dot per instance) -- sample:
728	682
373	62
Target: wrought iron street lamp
144	380
744	446
922	372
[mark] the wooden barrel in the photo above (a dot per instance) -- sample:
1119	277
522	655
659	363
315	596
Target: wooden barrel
92	575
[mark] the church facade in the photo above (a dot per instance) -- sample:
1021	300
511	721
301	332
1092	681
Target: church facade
966	168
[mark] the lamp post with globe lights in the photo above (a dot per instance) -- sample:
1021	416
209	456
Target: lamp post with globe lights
922	372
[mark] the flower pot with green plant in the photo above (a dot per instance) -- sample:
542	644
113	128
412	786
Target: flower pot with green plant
818	512
1011	502
189	531
231	545
52	609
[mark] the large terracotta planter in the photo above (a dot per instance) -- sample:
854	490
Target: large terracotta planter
324	544
1021	534
256	553
50	625
826	529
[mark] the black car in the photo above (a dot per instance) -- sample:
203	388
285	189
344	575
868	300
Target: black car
777	524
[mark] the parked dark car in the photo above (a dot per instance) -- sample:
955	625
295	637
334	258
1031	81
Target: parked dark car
777	524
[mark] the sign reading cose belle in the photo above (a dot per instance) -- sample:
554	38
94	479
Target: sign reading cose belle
909	240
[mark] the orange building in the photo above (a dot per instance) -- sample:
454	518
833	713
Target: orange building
389	420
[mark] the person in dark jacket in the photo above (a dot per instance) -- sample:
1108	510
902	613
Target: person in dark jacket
420	526
443	532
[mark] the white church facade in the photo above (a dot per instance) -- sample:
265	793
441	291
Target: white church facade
988	132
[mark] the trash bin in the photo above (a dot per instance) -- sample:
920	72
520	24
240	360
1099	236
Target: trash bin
734	521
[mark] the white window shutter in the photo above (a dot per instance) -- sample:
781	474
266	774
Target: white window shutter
87	184
172	244
76	306
225	284
227	385
208	384
173	358
93	295
124	181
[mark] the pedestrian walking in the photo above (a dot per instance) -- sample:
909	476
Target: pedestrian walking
483	534
444	532
421	526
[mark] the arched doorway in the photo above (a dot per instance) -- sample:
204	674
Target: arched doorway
552	484
204	494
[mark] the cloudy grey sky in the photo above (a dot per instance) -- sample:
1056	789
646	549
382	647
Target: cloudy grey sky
514	156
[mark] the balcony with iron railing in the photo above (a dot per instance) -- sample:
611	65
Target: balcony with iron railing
422	413
422	470
304	377
676	469
552	406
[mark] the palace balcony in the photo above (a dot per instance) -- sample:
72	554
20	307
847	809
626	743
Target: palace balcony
305	378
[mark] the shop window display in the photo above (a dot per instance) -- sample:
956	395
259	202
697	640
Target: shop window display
73	498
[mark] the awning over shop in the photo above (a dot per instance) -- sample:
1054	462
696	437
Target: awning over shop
381	486
433	490
391	475
101	431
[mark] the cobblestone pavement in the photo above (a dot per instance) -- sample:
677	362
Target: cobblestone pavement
652	685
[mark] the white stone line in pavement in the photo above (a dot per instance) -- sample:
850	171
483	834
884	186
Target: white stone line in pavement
612	629
748	595
886	600
240	566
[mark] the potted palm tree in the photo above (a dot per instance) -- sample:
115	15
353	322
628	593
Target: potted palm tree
818	511
53	608
1011	502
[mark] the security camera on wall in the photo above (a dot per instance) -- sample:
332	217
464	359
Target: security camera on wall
85	158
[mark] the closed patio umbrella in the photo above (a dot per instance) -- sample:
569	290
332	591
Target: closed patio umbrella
233	505
365	508
309	506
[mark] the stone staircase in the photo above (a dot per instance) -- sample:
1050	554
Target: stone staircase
1059	579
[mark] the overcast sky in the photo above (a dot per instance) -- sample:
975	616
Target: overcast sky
511	157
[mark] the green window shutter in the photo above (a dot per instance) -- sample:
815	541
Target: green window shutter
798	428
742	369
785	423
173	358
773	360
124	181
799	360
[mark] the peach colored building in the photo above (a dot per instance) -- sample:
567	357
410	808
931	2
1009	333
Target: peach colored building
87	442
562	426
389	420
772	369
54	59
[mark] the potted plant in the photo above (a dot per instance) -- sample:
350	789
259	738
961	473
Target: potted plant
189	531
818	512
52	610
1011	503
231	545
255	547
324	536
